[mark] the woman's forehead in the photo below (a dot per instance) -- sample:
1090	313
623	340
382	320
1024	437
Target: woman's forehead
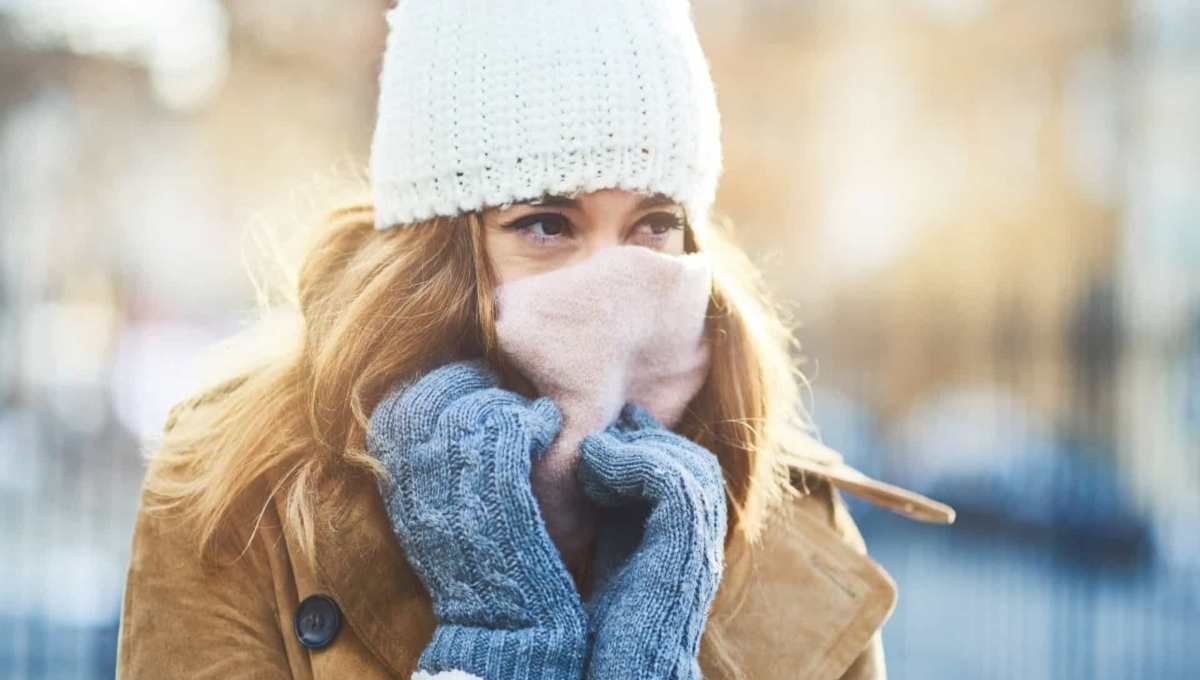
636	199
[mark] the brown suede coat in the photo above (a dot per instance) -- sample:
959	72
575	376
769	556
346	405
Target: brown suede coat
813	608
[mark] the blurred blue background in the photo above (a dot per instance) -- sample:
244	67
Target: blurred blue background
985	215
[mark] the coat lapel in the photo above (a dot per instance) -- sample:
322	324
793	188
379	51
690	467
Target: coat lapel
358	556
812	601
825	463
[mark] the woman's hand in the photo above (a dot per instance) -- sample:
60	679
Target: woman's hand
459	451
653	597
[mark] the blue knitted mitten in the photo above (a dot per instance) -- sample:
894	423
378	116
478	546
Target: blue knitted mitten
655	582
459	451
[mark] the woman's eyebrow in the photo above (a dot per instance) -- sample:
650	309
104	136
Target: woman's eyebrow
655	200
557	202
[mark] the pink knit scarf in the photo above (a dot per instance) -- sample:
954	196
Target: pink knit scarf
625	325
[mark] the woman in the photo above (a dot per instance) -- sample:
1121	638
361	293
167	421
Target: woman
434	473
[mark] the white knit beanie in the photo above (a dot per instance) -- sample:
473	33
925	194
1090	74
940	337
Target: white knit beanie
489	102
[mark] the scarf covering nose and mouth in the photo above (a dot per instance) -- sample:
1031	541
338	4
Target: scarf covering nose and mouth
624	325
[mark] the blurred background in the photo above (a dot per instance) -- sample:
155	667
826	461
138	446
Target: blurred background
984	213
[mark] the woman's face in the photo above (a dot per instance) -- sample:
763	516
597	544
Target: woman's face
538	236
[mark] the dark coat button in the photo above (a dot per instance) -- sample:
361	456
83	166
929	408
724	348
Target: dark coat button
317	621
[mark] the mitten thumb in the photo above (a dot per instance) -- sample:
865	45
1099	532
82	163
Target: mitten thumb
610	471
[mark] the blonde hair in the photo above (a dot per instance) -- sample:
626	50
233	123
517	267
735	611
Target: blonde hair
376	307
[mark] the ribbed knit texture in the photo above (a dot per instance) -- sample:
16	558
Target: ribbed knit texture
447	675
459	449
625	325
485	104
649	611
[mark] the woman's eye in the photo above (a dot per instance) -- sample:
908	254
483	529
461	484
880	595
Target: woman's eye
660	224
543	225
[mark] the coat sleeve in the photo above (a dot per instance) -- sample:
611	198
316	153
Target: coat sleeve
181	619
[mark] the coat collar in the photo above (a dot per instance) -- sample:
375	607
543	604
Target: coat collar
811	605
822	461
813	598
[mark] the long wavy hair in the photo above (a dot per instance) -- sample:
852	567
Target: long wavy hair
369	308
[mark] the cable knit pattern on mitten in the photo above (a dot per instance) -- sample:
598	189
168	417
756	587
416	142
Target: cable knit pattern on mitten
459	450
650	609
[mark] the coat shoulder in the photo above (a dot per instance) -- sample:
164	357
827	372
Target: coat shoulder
185	617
